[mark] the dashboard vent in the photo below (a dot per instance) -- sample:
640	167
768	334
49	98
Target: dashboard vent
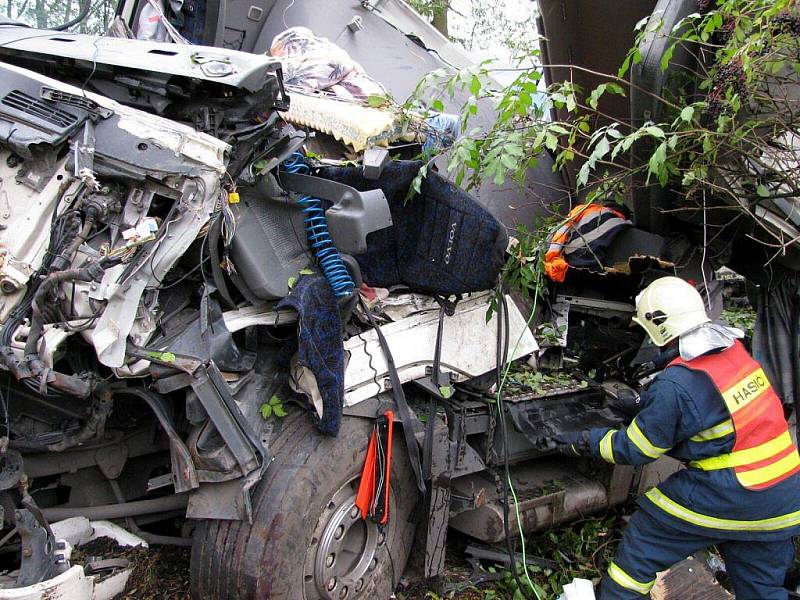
40	109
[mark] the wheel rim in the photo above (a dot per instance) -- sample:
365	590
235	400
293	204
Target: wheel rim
343	549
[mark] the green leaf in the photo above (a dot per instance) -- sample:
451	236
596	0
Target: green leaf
274	401
475	85
377	100
280	412
687	114
667	57
291	281
306	271
656	162
602	148
437	105
655	131
594	97
583	175
615	88
266	411
446	391
762	190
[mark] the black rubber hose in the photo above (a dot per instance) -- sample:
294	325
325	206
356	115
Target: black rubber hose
119	511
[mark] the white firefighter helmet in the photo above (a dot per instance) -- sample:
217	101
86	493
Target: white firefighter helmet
668	308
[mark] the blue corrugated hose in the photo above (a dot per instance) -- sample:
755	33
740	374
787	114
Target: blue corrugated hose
319	238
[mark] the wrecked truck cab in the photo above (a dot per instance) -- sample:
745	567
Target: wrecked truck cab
156	289
184	270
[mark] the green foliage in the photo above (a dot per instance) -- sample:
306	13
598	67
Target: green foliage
718	139
744	318
273	407
582	549
541	382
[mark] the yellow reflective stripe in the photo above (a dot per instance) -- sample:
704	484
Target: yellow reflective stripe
769	472
712	433
743	392
642	443
628	582
684	514
606	446
746	456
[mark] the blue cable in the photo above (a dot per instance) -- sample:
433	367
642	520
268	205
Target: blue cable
319	238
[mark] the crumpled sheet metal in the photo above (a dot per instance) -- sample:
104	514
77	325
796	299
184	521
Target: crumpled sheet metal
181	139
353	124
174	238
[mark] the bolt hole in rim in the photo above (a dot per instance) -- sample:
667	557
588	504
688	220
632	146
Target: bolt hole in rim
343	548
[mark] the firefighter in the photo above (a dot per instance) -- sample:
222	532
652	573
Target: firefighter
713	408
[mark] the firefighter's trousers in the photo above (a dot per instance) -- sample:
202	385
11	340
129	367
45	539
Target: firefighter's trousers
756	568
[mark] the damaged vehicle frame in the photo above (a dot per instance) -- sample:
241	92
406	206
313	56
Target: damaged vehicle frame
143	257
151	225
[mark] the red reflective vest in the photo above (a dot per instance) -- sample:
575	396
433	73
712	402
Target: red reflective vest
763	452
584	226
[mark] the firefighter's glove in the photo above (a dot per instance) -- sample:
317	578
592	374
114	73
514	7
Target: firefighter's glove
572	443
623	400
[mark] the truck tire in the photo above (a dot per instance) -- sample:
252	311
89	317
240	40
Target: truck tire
307	541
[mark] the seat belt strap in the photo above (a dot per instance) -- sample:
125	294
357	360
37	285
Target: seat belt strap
407	418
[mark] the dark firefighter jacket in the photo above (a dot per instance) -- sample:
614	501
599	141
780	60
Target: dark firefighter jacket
685	416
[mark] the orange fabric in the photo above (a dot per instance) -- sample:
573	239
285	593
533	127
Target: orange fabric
776	480
366	487
555	267
768	461
740	380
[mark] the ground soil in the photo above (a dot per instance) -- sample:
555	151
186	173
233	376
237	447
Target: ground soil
159	573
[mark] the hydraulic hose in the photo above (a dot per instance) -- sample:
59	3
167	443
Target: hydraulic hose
319	238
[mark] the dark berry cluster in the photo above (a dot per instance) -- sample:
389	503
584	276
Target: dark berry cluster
787	22
732	74
704	5
725	33
716	102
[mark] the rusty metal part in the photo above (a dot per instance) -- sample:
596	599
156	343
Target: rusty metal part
95	425
70	384
550	491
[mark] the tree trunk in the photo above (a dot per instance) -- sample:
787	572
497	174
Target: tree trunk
440	18
41	14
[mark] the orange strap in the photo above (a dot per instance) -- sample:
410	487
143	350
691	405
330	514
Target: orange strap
366	488
388	476
366	496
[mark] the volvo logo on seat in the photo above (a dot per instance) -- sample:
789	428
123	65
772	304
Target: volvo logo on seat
451	238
